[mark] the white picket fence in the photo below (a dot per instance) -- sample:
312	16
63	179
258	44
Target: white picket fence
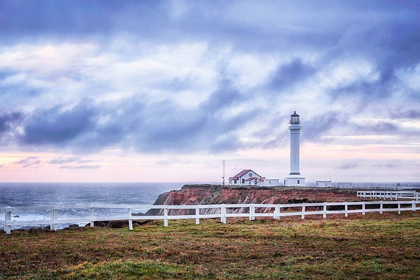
389	195
223	211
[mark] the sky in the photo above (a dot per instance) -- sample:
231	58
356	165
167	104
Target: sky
163	91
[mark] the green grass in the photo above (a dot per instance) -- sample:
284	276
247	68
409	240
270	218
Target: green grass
372	246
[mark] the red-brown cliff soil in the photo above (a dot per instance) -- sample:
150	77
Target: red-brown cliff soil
216	194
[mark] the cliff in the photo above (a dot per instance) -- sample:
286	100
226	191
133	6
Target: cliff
216	194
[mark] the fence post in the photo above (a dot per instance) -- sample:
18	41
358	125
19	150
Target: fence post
223	214
399	208
325	211
130	221
363	208
346	209
251	213
197	215
53	225
92	222
382	207
8	220
303	211
277	212
165	216
413	206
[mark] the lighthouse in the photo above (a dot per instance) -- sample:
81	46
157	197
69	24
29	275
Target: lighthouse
294	178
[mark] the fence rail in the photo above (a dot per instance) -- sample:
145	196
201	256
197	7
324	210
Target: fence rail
389	194
222	211
383	186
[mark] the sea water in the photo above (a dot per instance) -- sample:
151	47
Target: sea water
68	194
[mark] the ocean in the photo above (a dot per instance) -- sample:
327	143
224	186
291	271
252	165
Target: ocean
56	194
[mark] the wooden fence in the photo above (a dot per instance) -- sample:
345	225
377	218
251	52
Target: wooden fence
389	194
222	211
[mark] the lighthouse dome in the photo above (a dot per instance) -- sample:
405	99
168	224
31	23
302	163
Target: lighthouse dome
294	118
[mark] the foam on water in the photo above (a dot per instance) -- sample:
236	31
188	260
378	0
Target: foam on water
59	194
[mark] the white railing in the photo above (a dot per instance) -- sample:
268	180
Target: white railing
222	211
389	194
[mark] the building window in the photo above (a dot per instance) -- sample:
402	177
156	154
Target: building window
298	181
243	181
234	181
269	182
250	175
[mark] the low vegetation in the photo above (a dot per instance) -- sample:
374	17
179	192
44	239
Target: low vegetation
372	246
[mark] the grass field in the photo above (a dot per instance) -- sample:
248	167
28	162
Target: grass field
373	246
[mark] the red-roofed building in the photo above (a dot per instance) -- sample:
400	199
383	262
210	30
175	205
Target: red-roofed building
249	177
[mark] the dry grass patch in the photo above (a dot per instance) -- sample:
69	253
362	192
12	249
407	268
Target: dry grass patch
370	246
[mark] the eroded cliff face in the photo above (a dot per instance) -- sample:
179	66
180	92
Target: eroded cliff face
213	194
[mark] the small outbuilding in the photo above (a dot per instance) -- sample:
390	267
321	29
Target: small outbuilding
323	184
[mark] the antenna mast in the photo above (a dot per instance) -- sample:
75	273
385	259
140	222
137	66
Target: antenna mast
223	172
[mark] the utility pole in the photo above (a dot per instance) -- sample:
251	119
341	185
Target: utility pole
223	172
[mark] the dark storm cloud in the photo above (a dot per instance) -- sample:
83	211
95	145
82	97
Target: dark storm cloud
289	74
149	127
388	45
406	114
8	120
55	125
318	125
164	126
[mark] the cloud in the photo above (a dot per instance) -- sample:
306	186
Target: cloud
348	166
406	114
28	162
165	77
80	167
168	161
318	125
56	125
289	74
144	125
61	160
381	127
9	120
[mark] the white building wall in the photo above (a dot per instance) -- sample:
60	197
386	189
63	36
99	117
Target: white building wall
249	174
271	182
294	149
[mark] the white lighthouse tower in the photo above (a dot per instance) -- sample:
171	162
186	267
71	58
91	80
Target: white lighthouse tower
294	178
